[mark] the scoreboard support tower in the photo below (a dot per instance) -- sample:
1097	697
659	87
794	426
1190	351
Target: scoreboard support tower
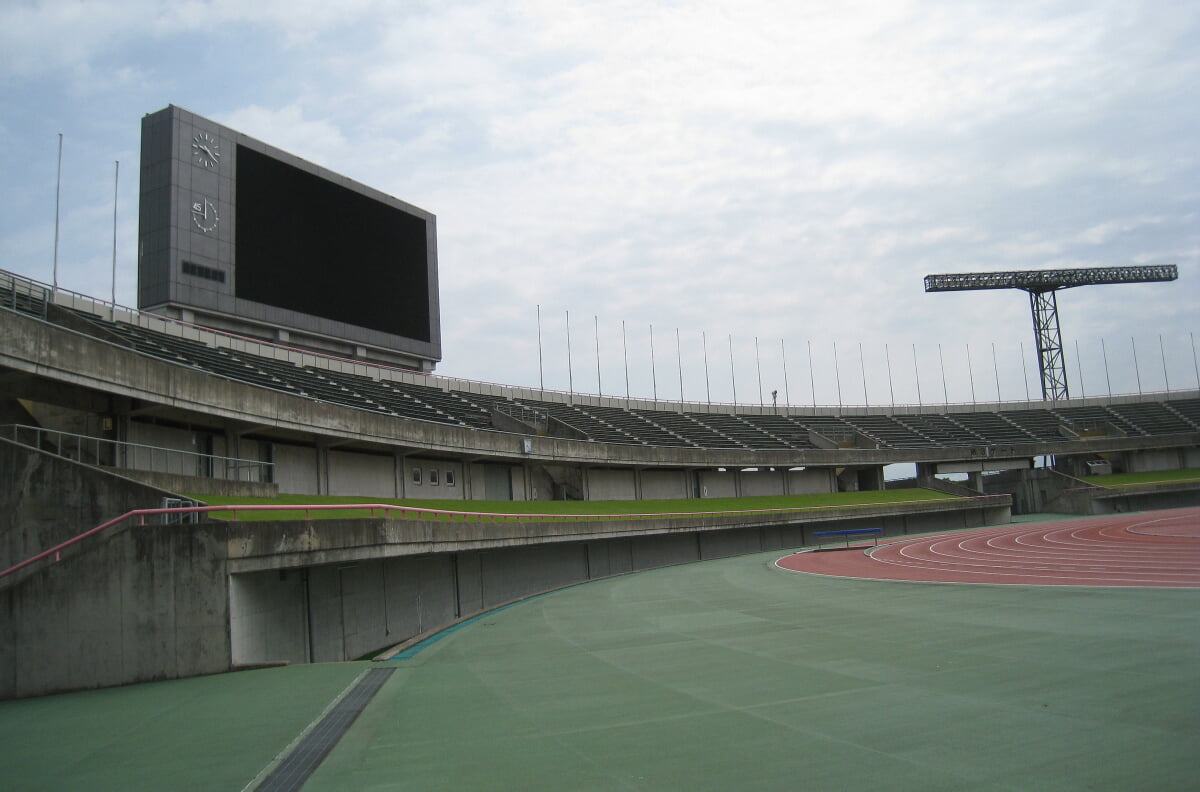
1043	286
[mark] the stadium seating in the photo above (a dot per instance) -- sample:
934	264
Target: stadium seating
755	430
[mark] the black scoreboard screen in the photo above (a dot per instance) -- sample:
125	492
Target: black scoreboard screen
308	244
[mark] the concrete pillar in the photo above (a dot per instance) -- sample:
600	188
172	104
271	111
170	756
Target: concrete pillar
322	467
401	479
233	448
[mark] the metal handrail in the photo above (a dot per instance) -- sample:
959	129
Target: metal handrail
21	287
420	512
205	465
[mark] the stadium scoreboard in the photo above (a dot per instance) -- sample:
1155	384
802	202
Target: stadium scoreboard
238	235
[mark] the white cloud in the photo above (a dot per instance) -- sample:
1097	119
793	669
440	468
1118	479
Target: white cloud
1103	232
318	140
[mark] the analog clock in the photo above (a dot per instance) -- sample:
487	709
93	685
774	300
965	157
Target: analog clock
205	151
204	214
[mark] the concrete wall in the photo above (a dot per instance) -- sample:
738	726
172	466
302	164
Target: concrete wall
610	484
761	482
173	438
1183	497
521	484
267	618
515	573
666	484
200	486
811	480
433	478
145	603
718	484
339	611
132	604
366	475
159	601
45	500
1155	460
296	469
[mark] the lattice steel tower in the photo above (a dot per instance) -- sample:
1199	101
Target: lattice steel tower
1042	286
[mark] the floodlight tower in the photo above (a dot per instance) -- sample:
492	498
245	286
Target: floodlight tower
1042	286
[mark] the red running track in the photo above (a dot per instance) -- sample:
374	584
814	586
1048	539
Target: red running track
1159	548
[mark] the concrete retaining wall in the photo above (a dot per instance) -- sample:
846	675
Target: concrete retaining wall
146	602
202	485
352	608
46	499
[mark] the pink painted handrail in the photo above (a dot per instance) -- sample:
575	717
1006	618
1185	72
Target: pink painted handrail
421	512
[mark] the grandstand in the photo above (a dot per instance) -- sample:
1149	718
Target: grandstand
122	410
907	434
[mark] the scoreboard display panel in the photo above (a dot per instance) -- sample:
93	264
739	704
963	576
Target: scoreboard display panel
306	244
238	235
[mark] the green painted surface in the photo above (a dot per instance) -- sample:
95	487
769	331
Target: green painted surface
206	733
719	675
734	675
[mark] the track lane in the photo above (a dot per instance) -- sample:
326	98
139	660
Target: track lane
1148	549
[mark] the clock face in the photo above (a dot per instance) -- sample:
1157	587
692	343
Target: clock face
205	151
204	214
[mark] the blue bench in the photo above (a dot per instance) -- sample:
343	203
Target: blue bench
849	532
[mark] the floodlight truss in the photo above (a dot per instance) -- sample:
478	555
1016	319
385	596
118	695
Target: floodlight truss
1042	286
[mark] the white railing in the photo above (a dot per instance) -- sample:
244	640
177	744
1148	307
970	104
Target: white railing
104	452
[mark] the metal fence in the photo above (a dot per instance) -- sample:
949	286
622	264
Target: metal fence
23	295
136	456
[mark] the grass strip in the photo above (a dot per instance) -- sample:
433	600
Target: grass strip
1153	477
516	509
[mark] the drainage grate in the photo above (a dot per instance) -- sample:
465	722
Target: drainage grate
304	759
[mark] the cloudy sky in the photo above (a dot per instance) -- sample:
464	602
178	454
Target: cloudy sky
736	174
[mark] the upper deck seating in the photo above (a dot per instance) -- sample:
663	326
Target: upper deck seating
1152	419
1092	418
993	428
1040	425
941	429
438	402
1188	409
888	431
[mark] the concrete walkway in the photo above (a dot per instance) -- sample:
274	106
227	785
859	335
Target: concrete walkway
719	675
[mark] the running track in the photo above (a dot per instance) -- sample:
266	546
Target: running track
1160	548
